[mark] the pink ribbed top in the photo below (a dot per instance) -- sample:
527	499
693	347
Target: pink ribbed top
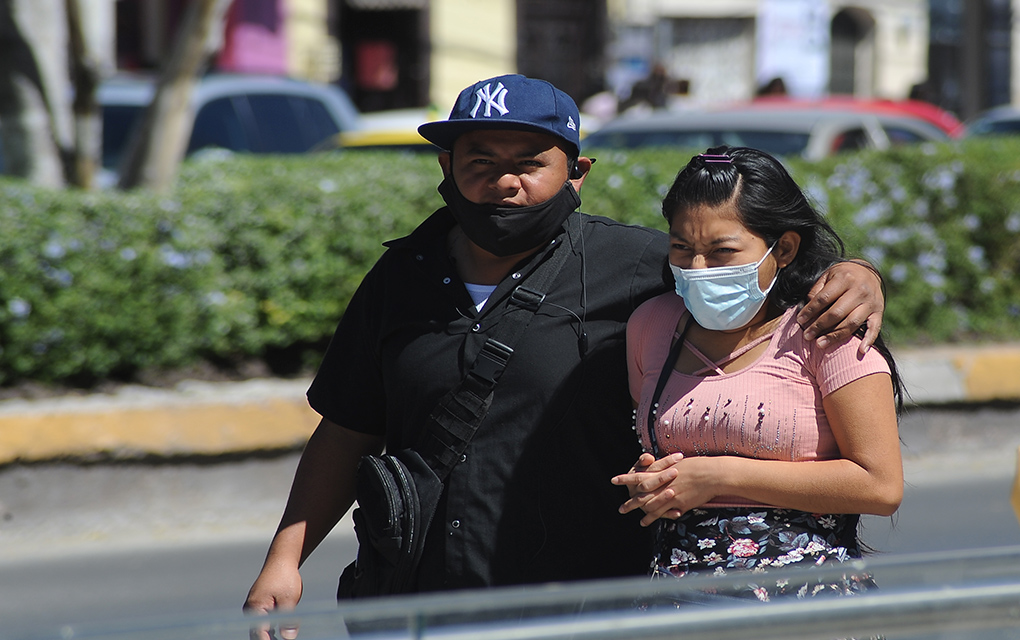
770	410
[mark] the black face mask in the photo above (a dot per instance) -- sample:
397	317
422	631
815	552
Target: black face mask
505	231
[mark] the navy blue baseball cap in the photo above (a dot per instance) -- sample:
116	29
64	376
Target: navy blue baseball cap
509	102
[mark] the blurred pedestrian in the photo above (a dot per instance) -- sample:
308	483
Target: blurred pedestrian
774	87
655	90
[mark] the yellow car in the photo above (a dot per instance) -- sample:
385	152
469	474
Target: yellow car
396	129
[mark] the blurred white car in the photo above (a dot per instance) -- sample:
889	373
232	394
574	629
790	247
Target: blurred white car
812	132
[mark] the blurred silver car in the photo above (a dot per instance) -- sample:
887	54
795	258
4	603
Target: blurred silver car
242	113
810	132
238	113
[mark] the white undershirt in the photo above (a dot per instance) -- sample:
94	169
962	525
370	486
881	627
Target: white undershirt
480	293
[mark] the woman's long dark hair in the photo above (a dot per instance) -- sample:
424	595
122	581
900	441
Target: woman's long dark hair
769	203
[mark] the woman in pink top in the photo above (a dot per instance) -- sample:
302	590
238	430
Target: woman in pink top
762	449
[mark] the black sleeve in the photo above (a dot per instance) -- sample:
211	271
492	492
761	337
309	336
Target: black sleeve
348	388
652	275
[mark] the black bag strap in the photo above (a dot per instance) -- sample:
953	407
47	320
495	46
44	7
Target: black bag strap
667	369
457	416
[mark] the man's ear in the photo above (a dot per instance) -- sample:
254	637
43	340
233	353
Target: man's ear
444	162
786	248
583	166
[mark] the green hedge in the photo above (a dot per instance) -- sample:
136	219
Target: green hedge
941	222
251	257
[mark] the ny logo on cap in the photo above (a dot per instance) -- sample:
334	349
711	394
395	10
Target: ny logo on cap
491	99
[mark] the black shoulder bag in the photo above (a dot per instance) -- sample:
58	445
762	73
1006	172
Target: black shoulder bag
398	493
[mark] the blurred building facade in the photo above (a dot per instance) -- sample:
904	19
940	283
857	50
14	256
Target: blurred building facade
728	50
387	53
961	54
408	53
974	55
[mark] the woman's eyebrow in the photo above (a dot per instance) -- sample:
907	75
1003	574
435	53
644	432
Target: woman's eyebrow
717	241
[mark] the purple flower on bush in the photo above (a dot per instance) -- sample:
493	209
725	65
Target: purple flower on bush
19	308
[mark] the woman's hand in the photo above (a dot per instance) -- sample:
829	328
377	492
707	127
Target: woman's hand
640	468
651	486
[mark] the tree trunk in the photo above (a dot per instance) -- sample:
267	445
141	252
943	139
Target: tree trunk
85	74
35	113
157	148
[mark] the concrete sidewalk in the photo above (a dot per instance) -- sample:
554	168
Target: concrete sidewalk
217	418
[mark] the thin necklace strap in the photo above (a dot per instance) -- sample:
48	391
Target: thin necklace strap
667	369
709	364
717	366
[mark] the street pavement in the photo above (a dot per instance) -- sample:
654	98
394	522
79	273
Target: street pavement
126	532
204	462
204	573
68	507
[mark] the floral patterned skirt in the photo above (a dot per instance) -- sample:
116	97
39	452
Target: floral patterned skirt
720	541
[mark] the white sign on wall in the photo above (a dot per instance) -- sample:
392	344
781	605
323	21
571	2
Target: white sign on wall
793	44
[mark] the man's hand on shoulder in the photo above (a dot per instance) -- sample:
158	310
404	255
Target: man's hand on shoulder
848	295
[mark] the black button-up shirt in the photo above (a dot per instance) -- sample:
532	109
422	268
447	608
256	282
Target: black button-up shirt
531	500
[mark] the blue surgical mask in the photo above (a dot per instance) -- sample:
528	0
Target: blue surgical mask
722	298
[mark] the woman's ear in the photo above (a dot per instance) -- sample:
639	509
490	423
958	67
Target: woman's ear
786	248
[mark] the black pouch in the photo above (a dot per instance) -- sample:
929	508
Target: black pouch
397	498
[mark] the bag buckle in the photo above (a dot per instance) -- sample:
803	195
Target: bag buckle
527	298
492	360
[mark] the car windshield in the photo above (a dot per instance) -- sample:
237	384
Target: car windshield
260	123
779	143
996	126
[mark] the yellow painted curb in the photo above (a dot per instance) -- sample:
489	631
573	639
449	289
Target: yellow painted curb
991	375
200	426
223	418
